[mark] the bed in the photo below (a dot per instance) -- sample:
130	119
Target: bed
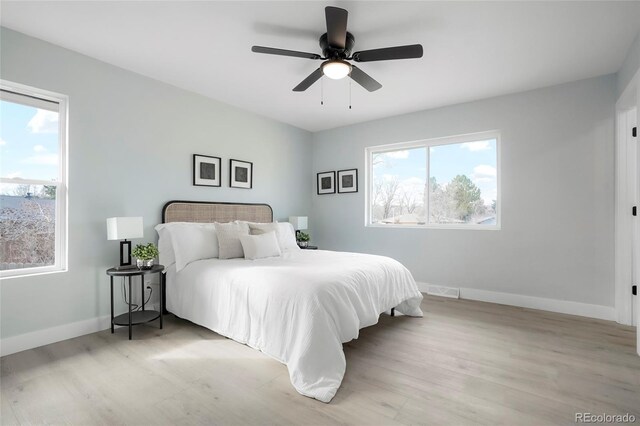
299	307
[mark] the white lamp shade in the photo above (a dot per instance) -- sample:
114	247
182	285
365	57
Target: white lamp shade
298	222
124	228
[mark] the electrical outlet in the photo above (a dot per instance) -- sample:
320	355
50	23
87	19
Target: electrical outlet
154	289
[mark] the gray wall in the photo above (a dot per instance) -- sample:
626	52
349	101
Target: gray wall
630	65
131	143
557	170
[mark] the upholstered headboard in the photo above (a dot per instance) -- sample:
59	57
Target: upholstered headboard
209	212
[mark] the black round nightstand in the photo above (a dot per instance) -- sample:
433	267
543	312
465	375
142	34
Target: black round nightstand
138	317
309	248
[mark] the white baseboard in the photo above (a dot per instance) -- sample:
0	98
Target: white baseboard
553	305
442	291
532	302
22	342
423	287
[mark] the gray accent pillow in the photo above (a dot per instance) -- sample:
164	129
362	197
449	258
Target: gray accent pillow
229	239
262	228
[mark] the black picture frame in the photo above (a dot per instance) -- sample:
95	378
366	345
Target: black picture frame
321	179
207	170
353	173
240	174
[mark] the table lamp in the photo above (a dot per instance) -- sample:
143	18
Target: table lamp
124	228
299	223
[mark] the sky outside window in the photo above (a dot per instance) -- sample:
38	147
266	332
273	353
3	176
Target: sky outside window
28	142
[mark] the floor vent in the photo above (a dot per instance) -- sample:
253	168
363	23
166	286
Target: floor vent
438	290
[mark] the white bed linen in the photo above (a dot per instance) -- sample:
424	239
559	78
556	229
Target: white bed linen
298	308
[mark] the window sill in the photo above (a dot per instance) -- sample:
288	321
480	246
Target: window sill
456	227
30	272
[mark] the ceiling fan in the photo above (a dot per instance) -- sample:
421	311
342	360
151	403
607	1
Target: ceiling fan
337	45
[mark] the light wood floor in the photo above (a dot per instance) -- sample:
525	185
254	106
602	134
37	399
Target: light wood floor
465	362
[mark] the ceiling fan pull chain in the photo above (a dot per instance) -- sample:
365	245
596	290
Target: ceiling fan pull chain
349	93
321	91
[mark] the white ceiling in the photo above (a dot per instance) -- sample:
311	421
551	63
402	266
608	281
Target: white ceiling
473	50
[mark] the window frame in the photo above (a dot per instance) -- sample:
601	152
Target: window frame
428	143
62	202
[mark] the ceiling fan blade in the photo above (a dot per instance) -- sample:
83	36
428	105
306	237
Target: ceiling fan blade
284	52
388	53
364	79
307	82
336	26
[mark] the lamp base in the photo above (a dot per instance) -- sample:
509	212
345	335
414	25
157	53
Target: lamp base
125	253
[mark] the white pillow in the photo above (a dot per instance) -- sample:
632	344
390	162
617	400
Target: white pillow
284	233
166	257
260	246
229	239
287	237
193	242
244	226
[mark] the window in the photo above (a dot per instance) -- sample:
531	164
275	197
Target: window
33	190
448	182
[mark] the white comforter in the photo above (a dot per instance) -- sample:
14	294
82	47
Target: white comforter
298	308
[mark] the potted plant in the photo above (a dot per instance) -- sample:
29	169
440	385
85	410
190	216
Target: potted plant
144	255
303	239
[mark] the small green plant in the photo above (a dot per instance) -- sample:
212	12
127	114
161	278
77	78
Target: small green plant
303	237
145	252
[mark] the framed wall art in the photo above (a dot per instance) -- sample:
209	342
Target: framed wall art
348	180
206	170
326	183
240	174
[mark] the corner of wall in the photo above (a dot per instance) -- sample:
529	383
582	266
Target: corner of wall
630	66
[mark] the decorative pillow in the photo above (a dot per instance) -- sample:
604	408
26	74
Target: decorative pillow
260	246
284	233
262	228
287	237
193	242
244	226
229	239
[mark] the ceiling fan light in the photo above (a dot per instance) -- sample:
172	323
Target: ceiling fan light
336	69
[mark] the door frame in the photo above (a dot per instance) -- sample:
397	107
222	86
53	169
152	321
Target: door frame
625	232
